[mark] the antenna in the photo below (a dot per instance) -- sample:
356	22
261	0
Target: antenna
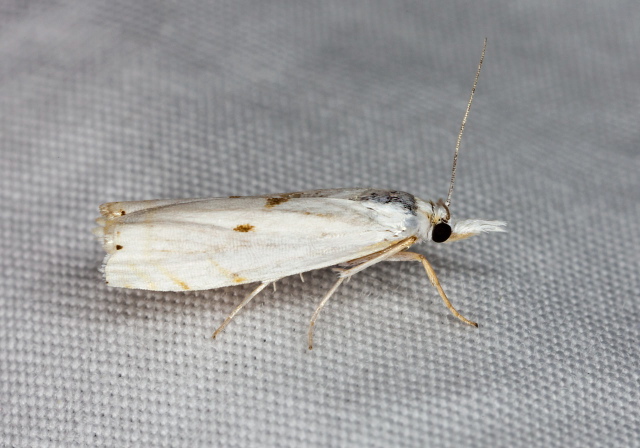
464	122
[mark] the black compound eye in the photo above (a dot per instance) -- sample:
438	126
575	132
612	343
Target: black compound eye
441	232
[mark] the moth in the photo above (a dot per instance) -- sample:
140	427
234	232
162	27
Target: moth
207	243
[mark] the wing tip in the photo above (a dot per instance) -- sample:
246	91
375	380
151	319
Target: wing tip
111	209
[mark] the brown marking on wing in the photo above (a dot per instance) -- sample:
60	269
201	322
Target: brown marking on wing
319	215
105	209
272	202
110	210
118	247
234	197
234	277
244	228
280	198
237	278
180	283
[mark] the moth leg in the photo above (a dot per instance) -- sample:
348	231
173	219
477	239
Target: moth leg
412	256
326	297
246	300
363	263
358	265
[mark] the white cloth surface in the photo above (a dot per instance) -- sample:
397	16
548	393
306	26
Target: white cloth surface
119	100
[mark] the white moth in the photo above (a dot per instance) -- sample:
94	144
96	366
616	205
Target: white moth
195	244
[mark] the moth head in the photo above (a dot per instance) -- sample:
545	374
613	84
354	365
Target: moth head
440	216
446	229
442	227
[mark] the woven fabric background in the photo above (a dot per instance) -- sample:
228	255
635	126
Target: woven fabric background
119	100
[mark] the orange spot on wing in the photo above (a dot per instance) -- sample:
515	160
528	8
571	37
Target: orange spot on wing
238	279
182	284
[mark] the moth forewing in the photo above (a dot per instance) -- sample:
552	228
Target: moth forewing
211	243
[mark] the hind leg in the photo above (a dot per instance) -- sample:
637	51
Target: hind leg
354	267
246	300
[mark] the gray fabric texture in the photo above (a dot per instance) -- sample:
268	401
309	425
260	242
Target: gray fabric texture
119	100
